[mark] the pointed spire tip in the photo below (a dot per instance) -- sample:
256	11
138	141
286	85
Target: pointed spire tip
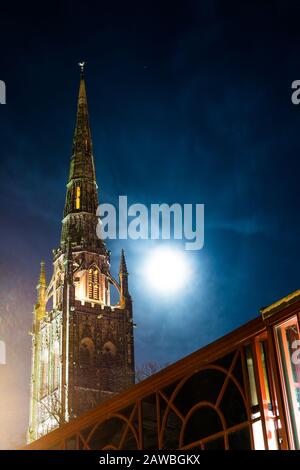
42	273
81	65
123	266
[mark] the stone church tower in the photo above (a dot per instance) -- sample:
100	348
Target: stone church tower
82	346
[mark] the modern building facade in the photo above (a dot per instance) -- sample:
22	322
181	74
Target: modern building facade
82	346
240	392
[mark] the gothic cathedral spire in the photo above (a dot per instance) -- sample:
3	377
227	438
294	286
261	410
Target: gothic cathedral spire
40	306
82	163
80	221
82	346
123	276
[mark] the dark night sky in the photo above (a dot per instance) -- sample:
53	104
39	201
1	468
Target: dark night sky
189	102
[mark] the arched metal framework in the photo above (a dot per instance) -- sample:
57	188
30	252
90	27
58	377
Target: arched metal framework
228	395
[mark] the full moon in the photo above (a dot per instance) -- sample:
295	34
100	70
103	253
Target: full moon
167	269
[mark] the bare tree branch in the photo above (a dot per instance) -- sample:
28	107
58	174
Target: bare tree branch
147	369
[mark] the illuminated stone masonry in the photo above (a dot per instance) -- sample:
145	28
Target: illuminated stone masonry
82	346
239	392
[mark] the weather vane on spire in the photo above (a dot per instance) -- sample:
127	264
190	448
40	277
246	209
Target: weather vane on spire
81	65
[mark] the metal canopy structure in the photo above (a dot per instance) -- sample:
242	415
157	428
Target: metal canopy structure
240	392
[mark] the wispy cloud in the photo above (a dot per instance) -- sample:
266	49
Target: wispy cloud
251	225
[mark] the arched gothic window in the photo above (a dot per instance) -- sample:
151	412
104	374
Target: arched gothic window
55	364
77	199
109	350
94	284
44	372
109	353
86	353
